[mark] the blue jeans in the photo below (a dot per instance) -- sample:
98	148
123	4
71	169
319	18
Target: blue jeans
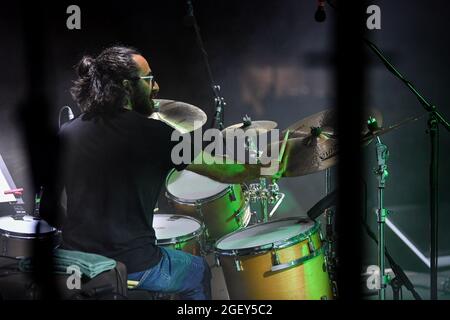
178	272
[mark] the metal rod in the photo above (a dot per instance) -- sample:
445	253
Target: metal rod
381	262
382	155
264	200
434	217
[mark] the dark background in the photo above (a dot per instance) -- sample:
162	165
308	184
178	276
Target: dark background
273	62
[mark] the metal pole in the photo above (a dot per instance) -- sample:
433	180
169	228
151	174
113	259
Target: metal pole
264	199
381	262
434	171
382	154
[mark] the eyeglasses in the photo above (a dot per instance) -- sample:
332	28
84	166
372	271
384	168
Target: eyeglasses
149	79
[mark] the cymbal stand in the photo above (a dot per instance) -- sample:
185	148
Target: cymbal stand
330	236
265	194
262	192
382	153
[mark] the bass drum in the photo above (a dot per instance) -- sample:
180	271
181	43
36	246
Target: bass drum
221	207
178	232
278	260
20	233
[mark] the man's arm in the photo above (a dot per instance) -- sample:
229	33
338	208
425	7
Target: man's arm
217	168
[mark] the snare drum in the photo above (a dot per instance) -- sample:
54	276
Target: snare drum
178	232
221	207
278	260
19	235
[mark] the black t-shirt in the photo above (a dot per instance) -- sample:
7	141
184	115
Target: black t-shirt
114	168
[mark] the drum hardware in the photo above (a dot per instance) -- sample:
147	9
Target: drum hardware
401	279
283	266
269	261
238	264
382	154
265	195
381	172
435	119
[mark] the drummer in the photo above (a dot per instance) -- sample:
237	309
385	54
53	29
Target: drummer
114	162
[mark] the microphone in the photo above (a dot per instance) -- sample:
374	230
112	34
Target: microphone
320	15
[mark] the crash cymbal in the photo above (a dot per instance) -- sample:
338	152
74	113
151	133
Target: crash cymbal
375	132
259	127
181	116
309	154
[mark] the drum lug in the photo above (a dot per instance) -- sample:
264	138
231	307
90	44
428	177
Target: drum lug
216	256
275	258
232	194
311	246
238	264
198	209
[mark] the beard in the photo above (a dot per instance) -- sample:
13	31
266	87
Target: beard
142	104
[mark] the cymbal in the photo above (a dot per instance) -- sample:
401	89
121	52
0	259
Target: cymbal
327	121
367	138
318	150
309	154
181	116
259	127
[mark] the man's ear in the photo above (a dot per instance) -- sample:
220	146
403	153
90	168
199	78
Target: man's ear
127	85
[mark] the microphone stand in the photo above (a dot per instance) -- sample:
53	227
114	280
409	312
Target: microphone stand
435	118
219	101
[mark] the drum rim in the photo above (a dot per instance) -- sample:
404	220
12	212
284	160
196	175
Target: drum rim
27	236
174	240
279	244
196	201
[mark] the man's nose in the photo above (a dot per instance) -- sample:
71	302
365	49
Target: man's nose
155	87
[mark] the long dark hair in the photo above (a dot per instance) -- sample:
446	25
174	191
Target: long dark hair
99	87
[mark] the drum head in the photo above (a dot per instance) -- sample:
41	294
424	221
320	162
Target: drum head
263	234
170	227
24	225
189	186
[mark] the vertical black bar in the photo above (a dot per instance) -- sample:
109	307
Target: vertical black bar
350	80
41	140
434	217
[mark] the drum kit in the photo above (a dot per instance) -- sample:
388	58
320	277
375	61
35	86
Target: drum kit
261	258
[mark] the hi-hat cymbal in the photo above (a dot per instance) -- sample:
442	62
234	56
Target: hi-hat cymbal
181	116
258	127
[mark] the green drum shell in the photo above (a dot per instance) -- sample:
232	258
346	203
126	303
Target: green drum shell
221	214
